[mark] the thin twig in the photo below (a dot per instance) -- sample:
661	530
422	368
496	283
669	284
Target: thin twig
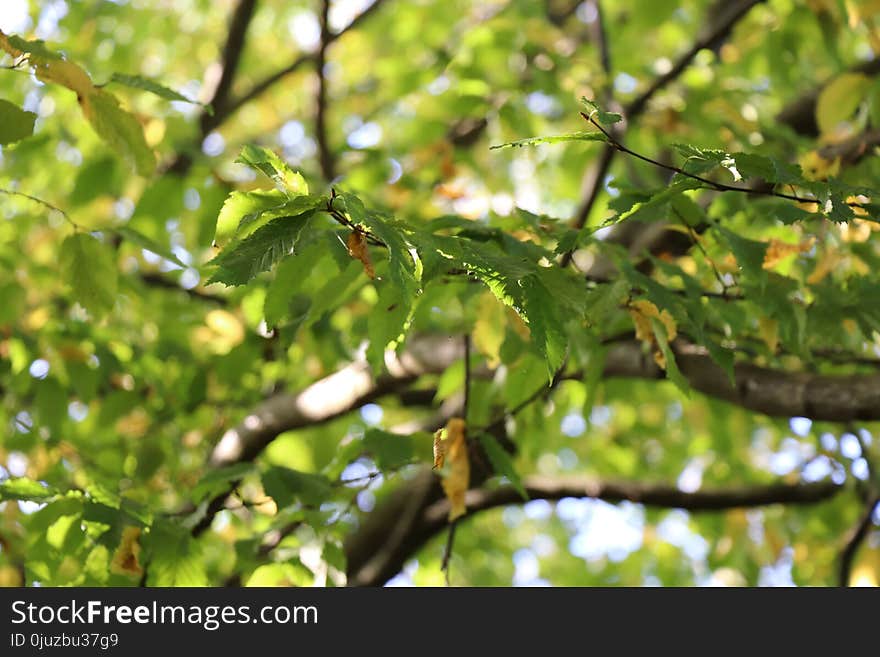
600	36
702	249
447	551
230	59
638	106
45	204
721	187
595	177
540	392
269	81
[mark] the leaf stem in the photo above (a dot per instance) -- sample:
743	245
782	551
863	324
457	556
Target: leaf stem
45	204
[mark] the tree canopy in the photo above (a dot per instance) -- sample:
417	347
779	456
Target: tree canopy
479	293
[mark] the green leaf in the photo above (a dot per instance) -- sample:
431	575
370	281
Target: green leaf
501	462
291	573
15	123
651	206
724	358
88	267
839	99
22	488
767	168
386	324
50	403
605	118
218	481
138	238
119	129
604	300
545	323
749	254
287	486
259	252
174	558
391	451
334	555
96	178
239	206
35	47
147	84
290	208
672	371
266	161
284	290
552	139
840	211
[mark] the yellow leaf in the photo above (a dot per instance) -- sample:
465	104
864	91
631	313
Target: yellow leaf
642	311
357	248
826	264
839	99
67	74
457	477
777	250
861	10
221	333
439	448
866	570
816	167
9	577
768	329
858	230
125	558
489	328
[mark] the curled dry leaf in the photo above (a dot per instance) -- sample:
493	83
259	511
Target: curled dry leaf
454	454
357	248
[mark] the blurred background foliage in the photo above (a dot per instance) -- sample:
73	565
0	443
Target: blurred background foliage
121	412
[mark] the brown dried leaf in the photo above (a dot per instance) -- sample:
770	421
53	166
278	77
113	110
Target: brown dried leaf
357	248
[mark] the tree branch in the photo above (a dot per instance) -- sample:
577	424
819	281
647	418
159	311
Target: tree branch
269	81
833	398
854	540
157	280
434	517
595	176
651	495
731	13
229	61
325	153
232	51
341	392
777	393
